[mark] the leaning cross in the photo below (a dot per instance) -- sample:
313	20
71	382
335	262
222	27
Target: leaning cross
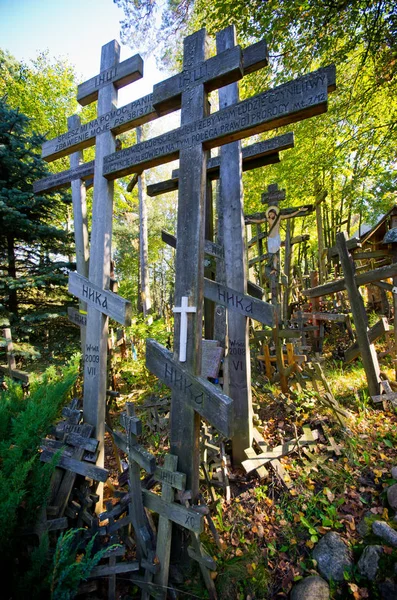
184	310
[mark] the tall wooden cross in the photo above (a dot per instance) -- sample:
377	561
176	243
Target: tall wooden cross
199	132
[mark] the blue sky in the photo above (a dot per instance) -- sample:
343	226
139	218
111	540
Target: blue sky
76	29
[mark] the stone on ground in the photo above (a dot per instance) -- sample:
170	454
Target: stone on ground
384	531
368	563
333	557
310	588
392	496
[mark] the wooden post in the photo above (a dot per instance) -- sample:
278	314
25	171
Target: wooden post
143	241
394	260
237	366
320	197
80	220
95	355
185	422
368	353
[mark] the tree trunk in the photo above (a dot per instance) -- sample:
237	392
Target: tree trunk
12	272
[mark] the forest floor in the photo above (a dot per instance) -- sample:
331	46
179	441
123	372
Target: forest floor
267	532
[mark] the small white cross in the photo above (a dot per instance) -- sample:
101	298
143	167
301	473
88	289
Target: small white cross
184	309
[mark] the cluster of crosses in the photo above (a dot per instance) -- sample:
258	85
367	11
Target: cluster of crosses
193	397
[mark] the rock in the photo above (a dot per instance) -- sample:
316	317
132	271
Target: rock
365	525
368	563
310	588
388	590
384	531
392	496
394	472
333	557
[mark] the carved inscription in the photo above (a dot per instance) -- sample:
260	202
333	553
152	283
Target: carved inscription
97	298
234	300
237	353
91	359
102	300
116	120
285	104
205	398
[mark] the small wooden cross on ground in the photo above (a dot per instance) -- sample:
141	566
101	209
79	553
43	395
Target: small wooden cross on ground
11	368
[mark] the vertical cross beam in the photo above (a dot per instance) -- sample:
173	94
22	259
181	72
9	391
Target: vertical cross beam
237	369
94	406
185	422
80	219
368	353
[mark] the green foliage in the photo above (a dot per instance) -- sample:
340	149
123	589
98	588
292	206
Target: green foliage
69	567
29	224
24	421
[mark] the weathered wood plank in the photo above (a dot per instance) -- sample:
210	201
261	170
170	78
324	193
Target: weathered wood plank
55	182
102	300
200	394
186	517
76	466
118	568
367	350
164	532
213	73
120	74
242	303
137	452
253	156
77	317
362	279
288	103
374	333
169	477
15	374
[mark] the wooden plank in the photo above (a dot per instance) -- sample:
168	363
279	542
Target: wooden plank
77	317
242	303
55	182
200	394
203	559
291	102
164	532
253	156
186	517
213	73
136	510
279	451
361	279
77	440
117	569
352	244
374	333
120	74
367	350
138	453
16	374
170	477
76	466
104	301
116	120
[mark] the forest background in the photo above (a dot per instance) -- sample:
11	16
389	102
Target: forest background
348	152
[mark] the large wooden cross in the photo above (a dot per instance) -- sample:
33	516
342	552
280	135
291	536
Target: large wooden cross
199	132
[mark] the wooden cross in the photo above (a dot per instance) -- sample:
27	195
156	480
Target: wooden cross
100	302
184	310
253	156
198	133
11	368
